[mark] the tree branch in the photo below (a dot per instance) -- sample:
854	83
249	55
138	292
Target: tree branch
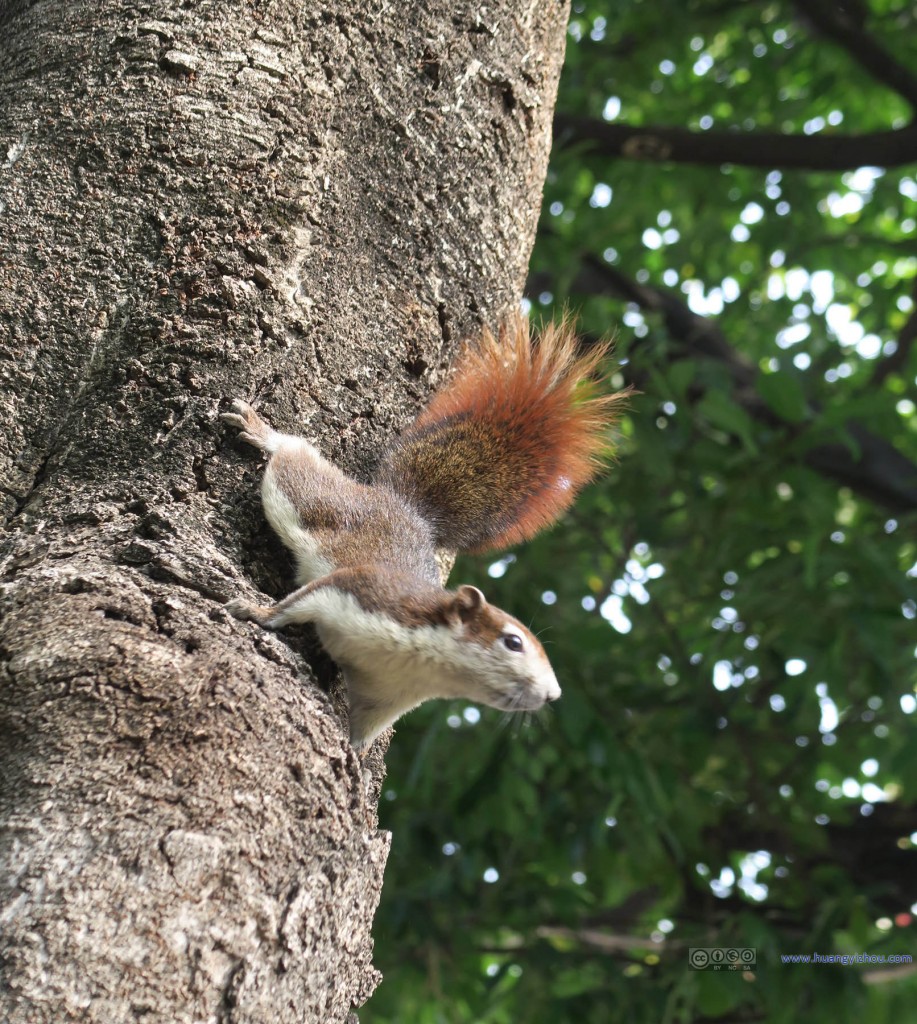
602	941
843	22
840	22
661	143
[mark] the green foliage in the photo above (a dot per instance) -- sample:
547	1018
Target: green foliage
730	611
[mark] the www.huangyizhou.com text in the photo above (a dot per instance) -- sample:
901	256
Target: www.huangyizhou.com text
846	959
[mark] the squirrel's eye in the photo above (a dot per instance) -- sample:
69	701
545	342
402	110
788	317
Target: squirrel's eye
513	642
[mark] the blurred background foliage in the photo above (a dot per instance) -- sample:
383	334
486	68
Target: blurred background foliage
731	609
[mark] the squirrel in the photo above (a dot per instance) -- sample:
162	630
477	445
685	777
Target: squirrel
497	456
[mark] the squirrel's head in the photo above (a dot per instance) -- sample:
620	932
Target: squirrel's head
508	664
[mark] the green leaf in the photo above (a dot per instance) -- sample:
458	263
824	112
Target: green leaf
718	992
722	412
784	394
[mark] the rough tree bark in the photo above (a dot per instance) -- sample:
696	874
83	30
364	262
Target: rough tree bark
305	205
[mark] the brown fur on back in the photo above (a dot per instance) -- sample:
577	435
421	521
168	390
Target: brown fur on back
352	523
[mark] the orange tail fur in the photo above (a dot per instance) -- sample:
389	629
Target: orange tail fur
502	451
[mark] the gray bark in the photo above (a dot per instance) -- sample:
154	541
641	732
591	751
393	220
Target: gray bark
304	205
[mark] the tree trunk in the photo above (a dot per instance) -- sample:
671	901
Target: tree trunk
305	205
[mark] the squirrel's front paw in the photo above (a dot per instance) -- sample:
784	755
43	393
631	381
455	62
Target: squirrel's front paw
240	609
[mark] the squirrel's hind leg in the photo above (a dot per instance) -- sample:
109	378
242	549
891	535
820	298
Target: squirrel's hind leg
258	432
300	488
251	427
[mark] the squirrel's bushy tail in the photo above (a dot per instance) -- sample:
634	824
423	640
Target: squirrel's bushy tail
502	450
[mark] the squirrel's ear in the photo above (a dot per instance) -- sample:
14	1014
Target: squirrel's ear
468	603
